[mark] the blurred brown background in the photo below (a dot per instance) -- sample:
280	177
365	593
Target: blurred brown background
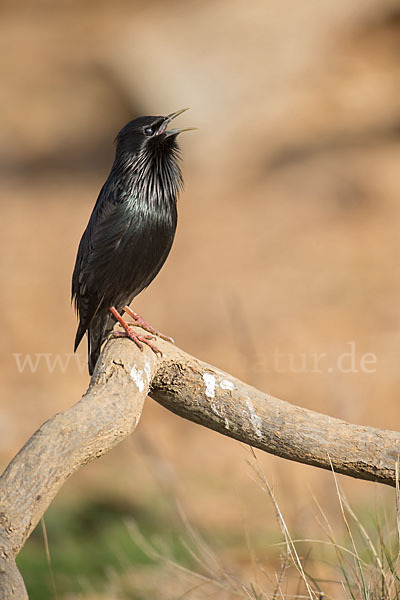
288	229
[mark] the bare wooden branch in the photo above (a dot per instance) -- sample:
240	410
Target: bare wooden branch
110	411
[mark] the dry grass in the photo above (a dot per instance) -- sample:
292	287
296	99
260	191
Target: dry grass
361	566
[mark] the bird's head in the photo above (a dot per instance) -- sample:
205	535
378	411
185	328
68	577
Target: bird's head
147	156
149	134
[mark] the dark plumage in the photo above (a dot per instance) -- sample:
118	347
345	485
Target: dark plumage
130	231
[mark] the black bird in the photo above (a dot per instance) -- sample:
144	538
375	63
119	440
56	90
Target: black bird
130	232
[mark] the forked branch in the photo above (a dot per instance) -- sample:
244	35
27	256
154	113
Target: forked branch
110	411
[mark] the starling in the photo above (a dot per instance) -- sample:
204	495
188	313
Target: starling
129	234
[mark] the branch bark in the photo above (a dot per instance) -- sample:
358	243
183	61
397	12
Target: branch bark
194	390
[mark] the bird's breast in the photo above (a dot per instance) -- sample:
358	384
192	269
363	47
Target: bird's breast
147	231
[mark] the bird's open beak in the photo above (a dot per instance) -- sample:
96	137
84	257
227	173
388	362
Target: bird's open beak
169	118
176	131
176	114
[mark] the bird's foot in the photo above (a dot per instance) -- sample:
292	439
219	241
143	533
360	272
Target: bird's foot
138	321
138	339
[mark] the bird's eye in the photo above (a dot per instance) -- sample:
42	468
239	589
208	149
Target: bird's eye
148	131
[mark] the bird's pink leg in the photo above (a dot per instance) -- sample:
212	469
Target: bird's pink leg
135	337
140	322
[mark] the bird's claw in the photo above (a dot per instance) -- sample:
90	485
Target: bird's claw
154	332
138	339
138	321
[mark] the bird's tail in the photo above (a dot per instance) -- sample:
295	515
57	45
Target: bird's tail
82	327
99	329
94	347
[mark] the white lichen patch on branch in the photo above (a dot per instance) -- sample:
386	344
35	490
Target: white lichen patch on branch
227	385
254	418
147	370
137	376
210	382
